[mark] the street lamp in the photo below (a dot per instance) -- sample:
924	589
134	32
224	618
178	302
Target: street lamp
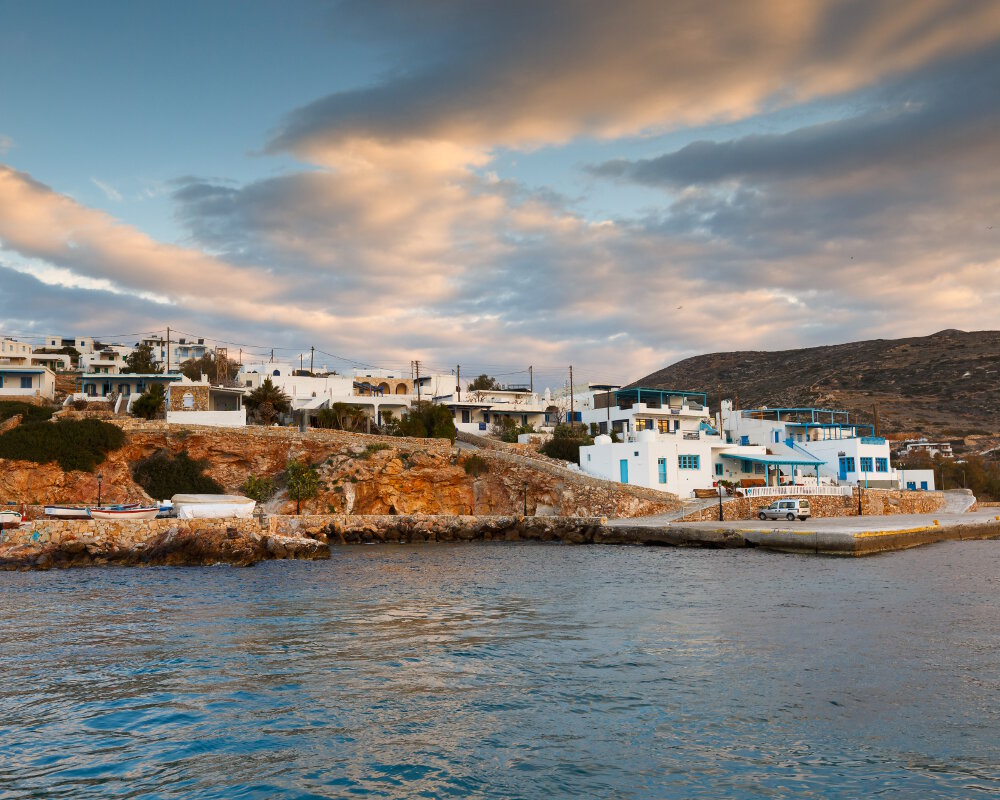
99	479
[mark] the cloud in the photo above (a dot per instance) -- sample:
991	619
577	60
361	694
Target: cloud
109	191
528	74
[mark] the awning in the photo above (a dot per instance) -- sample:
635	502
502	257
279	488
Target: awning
774	461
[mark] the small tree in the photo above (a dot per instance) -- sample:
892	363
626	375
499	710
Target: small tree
484	383
150	403
427	420
258	488
342	417
140	361
267	401
194	368
565	443
303	482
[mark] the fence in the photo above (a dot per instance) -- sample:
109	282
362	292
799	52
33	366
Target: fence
798	491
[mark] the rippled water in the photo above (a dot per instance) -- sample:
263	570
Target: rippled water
507	671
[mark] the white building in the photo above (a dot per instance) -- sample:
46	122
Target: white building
109	360
124	387
14	353
179	350
919	480
849	453
17	381
82	344
478	411
637	409
199	403
931	449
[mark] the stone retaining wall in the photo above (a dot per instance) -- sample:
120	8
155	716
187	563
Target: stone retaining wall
878	502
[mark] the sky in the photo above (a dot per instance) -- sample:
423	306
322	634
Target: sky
613	186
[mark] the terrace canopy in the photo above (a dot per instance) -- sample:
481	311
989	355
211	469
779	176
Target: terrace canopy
777	462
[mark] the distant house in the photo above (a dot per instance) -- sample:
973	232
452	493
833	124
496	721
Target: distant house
123	387
199	403
27	381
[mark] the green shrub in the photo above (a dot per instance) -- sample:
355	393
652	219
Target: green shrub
426	420
28	411
163	475
476	465
565	443
72	443
149	404
257	488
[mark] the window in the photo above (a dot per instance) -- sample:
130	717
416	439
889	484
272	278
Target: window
748	466
718	470
663	425
881	464
849	464
911	486
26	382
866	464
636	453
923	485
188	401
758	469
661	468
688	462
777	437
1	381
588	456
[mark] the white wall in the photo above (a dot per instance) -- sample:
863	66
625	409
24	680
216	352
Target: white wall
217	419
917	477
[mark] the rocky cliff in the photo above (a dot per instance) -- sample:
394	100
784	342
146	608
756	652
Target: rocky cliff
359	474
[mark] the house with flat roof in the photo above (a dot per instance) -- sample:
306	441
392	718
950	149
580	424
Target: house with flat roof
199	403
20	381
848	452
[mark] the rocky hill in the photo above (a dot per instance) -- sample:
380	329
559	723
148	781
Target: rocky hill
943	386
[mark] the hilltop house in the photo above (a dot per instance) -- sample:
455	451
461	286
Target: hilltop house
124	387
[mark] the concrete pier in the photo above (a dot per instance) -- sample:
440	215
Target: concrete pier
842	536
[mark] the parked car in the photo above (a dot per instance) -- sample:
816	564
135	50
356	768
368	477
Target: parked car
789	509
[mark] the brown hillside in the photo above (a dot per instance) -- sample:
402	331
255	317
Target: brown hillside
940	386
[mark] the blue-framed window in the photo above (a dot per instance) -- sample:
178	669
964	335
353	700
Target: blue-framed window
848	463
718	470
688	462
881	464
758	469
26	382
923	485
661	468
777	437
748	466
866	464
911	486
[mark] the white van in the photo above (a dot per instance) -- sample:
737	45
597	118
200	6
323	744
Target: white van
789	509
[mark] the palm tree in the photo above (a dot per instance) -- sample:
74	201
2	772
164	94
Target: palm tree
268	401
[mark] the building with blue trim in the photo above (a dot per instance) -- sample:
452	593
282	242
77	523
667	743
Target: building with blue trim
847	452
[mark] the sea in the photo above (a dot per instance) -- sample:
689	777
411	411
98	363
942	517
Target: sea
507	671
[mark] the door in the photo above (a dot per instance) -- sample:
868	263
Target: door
623	467
843	469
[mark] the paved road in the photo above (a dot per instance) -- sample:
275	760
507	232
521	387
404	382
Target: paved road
894	522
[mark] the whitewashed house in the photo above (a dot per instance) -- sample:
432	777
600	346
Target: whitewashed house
849	453
18	382
199	403
478	411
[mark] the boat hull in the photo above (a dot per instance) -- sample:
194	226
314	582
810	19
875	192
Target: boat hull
66	512
124	513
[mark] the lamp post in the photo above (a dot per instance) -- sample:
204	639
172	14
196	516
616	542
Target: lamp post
721	490
99	479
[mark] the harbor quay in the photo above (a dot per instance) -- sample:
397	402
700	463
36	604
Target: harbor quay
46	544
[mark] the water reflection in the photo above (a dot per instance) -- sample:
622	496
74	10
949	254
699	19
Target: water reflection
506	671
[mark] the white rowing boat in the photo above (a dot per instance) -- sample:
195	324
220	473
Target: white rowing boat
67	512
8	517
136	512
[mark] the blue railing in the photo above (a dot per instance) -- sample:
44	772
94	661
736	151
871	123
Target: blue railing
872	440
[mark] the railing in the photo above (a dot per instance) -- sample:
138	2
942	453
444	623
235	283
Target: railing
872	440
807	491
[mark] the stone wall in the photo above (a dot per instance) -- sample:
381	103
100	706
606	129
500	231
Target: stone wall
199	395
878	502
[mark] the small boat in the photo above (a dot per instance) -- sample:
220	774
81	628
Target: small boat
132	512
79	512
8	517
67	512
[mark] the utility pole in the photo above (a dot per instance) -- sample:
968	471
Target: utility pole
168	349
571	407
876	419
458	381
531	379
312	359
416	365
300	362
272	355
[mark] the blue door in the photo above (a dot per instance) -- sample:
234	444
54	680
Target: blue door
843	469
623	465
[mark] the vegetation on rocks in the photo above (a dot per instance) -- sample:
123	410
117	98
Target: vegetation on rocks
476	466
303	482
162	475
75	444
565	443
28	411
259	488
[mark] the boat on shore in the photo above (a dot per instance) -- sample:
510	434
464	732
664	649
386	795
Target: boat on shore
80	512
10	517
131	512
